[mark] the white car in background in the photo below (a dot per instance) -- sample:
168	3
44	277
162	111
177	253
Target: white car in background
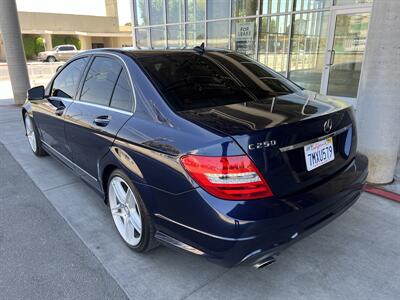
59	53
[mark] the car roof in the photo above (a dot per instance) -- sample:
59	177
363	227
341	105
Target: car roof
140	52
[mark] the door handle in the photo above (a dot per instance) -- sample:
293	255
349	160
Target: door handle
102	121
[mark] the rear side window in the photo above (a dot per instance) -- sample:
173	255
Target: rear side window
191	81
66	83
66	48
122	97
100	81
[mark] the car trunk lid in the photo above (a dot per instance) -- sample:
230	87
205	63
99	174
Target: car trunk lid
273	132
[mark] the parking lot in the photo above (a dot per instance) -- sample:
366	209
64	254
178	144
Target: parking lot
357	256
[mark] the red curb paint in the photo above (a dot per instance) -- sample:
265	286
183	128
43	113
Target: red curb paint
381	192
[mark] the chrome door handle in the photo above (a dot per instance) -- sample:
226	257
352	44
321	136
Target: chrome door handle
102	121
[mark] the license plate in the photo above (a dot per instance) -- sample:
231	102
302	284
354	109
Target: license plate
319	153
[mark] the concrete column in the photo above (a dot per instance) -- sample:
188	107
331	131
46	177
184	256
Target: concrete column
378	102
48	41
15	56
111	8
86	42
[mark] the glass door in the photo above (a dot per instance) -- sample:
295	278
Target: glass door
345	52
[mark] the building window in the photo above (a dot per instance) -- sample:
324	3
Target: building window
348	2
195	34
218	34
217	9
156	8
176	37
158	37
275	6
243	8
140	13
312	4
142	37
307	53
289	36
244	36
195	10
175	11
273	42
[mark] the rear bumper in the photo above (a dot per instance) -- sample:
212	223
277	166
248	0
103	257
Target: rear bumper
234	232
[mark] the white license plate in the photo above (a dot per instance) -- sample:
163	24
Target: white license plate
319	153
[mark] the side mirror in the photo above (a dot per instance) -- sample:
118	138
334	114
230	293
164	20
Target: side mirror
36	93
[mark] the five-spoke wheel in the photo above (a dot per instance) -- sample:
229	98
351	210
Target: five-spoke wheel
30	132
125	211
33	136
129	213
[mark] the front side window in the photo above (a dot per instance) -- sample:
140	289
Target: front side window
66	83
100	80
122	97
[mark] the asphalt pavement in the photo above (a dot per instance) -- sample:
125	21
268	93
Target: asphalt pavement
41	257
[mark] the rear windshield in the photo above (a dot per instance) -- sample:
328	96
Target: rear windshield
190	81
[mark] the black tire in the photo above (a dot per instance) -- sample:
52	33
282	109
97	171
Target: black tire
147	241
38	150
51	59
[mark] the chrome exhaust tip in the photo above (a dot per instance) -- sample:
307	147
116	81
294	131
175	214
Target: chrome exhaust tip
266	262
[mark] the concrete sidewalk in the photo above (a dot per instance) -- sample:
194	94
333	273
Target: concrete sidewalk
355	257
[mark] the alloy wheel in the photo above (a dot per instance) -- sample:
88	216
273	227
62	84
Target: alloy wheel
125	211
30	133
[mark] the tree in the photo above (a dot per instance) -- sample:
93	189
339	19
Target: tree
29	46
39	44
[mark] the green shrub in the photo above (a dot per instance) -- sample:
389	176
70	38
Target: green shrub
57	40
63	40
39	44
29	46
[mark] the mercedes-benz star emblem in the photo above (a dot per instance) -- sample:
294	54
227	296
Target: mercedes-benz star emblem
328	125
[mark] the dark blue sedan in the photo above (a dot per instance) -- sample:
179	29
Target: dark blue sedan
203	150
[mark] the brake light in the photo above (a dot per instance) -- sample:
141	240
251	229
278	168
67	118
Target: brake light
227	177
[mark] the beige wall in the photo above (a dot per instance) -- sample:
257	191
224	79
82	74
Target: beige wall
86	42
111	8
63	22
110	42
118	42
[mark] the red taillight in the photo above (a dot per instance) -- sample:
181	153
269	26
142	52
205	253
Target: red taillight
227	177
